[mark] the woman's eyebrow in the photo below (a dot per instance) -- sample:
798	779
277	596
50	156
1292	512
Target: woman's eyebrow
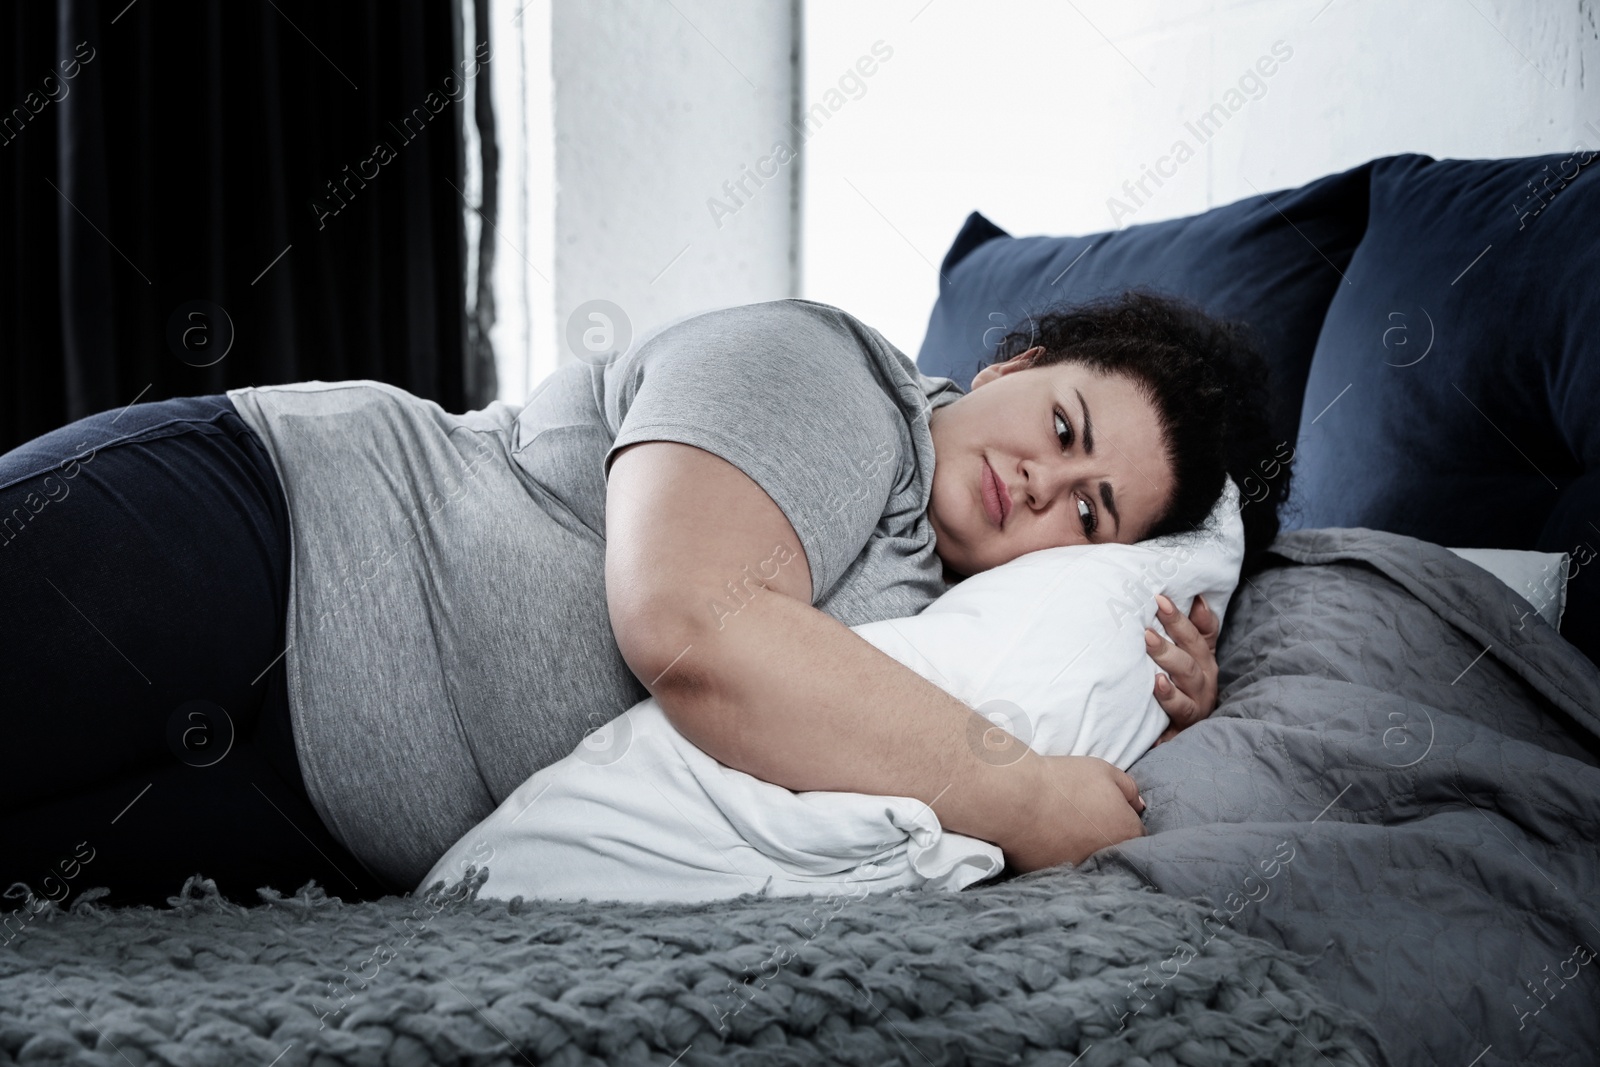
1088	433
1109	498
1108	495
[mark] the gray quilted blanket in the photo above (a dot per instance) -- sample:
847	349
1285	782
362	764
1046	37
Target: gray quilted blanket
1404	770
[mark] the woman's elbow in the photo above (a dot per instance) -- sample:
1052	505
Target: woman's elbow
708	666
657	642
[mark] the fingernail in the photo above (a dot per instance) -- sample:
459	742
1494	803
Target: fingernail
1164	604
1141	802
1162	684
1151	640
1202	602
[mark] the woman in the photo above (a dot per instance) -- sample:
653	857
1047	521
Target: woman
320	630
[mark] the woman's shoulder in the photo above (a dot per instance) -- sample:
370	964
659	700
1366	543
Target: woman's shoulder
811	335
765	314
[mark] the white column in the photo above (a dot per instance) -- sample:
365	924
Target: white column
671	194
523	334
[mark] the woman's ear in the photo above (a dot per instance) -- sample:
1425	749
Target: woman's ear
1020	361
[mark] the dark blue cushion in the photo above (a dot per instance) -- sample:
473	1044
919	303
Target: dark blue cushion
1462	366
1272	261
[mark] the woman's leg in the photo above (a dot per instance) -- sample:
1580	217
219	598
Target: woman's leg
144	570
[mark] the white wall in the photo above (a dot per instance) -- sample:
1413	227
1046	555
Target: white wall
619	125
1036	112
657	105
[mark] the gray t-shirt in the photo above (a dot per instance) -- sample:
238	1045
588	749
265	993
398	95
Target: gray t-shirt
448	633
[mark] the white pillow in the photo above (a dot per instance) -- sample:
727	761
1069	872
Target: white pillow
1054	640
1049	646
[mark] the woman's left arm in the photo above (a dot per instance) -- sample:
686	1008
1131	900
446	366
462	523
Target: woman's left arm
1188	689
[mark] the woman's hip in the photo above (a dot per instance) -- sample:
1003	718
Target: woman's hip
144	557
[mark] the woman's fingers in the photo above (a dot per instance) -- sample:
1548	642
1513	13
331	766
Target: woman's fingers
1130	788
1204	620
1179	706
1185	633
1187	691
1184	669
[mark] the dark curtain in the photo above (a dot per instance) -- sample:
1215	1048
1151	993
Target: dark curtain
204	195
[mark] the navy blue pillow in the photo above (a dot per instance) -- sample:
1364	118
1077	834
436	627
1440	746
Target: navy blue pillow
1272	261
1455	392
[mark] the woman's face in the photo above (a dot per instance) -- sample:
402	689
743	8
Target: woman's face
1037	457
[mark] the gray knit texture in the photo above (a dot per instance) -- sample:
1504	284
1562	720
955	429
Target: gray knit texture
1037	970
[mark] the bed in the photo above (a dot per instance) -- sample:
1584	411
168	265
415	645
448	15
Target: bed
1381	849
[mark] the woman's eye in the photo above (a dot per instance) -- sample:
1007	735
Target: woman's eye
1086	513
1063	430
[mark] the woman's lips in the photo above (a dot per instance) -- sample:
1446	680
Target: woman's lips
996	500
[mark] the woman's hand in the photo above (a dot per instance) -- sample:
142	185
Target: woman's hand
1188	689
1081	804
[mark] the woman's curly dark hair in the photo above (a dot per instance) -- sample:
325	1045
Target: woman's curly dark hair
1206	379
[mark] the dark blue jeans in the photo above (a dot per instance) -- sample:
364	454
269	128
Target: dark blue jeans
144	574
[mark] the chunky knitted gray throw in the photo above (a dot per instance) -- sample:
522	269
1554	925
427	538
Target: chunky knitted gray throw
1061	967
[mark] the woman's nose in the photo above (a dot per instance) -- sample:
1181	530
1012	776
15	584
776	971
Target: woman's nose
1045	480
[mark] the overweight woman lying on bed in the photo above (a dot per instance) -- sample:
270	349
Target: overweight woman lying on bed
321	630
